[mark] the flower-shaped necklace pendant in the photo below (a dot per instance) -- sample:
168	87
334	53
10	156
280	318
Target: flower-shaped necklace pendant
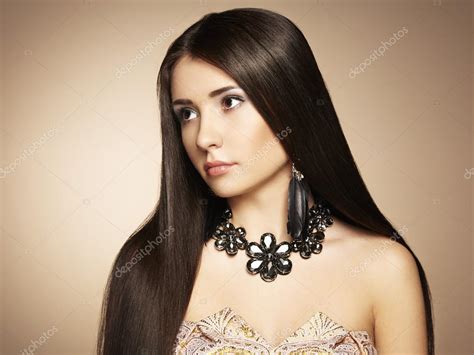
268	258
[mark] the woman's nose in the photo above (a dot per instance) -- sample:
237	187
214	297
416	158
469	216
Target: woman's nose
210	132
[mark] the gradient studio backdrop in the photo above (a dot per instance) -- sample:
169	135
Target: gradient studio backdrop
81	155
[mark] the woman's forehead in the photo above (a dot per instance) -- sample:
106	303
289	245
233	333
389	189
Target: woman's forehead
197	78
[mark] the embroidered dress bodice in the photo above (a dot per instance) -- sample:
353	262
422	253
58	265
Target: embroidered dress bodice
225	332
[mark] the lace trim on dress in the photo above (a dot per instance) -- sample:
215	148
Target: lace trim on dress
226	332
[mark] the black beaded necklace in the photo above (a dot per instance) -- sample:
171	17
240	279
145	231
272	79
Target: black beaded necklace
268	258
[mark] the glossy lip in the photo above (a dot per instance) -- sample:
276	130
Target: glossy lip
226	168
212	164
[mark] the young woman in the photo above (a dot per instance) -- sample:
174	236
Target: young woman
257	177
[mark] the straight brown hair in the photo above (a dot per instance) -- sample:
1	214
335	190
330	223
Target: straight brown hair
270	59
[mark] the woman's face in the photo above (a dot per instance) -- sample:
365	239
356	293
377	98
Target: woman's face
221	123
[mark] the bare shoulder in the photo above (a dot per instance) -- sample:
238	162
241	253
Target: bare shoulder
375	248
388	262
390	272
381	258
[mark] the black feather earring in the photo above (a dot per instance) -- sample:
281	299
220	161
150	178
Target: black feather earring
298	196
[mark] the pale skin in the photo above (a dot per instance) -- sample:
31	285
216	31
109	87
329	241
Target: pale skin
361	280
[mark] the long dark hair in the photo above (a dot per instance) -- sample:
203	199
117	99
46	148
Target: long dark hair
153	275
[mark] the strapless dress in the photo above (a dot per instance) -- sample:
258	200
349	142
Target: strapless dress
225	332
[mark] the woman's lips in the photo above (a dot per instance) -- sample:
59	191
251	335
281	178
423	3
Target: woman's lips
219	170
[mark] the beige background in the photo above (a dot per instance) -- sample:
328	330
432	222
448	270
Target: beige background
81	144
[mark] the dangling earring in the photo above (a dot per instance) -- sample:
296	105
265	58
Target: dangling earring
298	197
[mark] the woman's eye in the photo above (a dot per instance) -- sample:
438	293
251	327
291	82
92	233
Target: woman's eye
228	102
182	116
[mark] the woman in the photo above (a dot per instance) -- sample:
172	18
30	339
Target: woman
257	177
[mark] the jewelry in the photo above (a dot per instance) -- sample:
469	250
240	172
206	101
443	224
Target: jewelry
298	196
268	258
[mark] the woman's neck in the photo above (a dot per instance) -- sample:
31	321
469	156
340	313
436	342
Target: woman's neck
263	211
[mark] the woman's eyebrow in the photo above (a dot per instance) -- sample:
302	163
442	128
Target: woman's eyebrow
211	95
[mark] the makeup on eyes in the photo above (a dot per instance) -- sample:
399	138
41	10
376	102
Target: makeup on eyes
178	111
